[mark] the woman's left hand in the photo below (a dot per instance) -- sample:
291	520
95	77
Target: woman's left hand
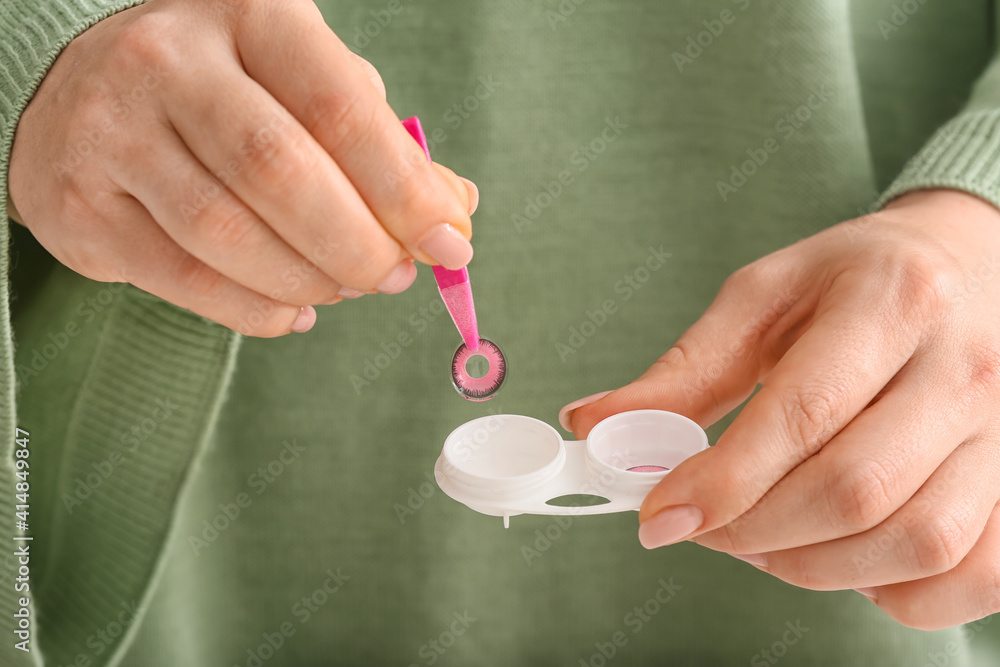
870	457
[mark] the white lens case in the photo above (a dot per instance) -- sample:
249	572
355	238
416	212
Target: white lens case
503	465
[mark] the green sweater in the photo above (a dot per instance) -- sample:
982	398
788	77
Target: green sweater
200	500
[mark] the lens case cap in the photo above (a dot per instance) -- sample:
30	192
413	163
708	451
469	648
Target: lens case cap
503	465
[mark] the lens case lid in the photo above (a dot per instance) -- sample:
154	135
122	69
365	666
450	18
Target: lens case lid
503	465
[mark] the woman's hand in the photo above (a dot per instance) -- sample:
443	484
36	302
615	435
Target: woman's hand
870	457
235	159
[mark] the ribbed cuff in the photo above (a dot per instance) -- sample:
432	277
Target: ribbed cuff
150	399
32	35
964	155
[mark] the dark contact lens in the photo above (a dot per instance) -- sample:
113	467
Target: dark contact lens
478	374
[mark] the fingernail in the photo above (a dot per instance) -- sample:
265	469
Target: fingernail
869	593
671	525
447	247
349	293
401	277
473	194
305	321
760	560
564	414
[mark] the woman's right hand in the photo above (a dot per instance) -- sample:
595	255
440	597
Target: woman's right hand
234	158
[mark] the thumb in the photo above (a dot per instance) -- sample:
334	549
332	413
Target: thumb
713	368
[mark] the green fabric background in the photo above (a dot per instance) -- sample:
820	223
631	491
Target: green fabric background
367	452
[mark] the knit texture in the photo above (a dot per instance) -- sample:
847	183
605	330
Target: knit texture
158	374
32	34
964	154
329	437
104	556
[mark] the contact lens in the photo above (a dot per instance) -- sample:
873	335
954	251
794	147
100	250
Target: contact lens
485	386
647	469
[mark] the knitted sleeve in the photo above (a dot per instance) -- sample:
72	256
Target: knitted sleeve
965	153
32	34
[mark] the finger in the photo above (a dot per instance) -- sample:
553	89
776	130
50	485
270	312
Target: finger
159	266
964	594
712	368
208	221
14	215
866	472
929	535
273	165
372	73
332	99
849	353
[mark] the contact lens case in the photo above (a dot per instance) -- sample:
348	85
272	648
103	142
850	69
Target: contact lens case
504	465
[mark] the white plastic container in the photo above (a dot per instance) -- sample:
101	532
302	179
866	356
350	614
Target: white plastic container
503	465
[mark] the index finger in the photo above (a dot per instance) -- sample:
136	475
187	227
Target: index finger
291	52
819	385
